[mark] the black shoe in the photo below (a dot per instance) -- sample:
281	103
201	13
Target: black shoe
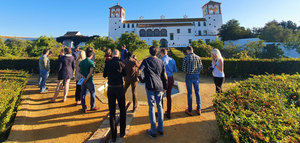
160	133
122	135
148	132
168	115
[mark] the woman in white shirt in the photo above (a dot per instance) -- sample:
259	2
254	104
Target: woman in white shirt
218	69
81	56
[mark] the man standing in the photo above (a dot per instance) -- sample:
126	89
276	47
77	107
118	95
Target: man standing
44	66
124	51
76	52
114	70
192	66
131	68
153	74
86	70
171	68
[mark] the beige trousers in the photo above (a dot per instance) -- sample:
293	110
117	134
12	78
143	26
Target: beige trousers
59	86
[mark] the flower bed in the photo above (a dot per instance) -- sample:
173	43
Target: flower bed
12	84
264	108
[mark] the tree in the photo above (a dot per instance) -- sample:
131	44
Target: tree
230	50
289	25
217	44
195	44
4	50
233	31
273	32
101	43
37	47
254	48
17	47
132	42
293	42
271	51
155	43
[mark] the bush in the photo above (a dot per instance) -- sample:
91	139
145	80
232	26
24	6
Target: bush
141	54
12	83
239	68
264	108
31	65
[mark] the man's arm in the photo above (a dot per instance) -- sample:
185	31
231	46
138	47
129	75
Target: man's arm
105	74
163	77
184	64
89	76
46	63
200	64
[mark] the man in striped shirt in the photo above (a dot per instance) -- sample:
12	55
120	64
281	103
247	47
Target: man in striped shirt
192	66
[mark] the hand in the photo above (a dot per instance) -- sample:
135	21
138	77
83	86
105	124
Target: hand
84	82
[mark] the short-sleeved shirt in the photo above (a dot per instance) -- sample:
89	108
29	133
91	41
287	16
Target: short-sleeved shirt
85	66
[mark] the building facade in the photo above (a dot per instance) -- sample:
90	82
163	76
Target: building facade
179	32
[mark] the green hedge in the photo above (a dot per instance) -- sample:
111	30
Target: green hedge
264	108
32	64
12	84
244	68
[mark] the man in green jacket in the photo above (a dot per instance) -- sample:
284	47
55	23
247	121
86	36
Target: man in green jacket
44	66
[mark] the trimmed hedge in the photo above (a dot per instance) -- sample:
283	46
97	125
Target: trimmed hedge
12	84
238	68
31	65
264	108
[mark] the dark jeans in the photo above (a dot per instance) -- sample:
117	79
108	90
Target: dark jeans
168	94
218	82
89	85
113	94
78	92
133	90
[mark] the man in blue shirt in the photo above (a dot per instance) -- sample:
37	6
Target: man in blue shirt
124	52
171	68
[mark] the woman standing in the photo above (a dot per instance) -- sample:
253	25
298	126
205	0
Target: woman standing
218	69
65	73
78	76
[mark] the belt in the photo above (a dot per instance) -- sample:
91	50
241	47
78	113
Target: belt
115	85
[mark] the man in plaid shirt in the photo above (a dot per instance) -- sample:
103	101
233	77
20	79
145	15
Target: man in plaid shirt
192	66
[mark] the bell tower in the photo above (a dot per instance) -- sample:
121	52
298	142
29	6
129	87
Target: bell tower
213	16
116	18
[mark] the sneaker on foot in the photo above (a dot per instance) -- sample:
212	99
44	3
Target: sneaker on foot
188	112
160	133
95	109
168	115
84	110
148	132
198	112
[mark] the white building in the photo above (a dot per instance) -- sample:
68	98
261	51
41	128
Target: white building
177	32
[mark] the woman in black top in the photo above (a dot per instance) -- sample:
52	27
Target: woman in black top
65	73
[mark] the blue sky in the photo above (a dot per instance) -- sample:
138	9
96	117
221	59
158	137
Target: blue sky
33	18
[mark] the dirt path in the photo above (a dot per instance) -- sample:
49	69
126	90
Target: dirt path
181	128
40	121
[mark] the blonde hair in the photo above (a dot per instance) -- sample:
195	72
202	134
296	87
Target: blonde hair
217	53
116	53
81	56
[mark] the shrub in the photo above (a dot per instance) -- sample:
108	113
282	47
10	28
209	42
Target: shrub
12	84
141	54
264	108
244	68
31	65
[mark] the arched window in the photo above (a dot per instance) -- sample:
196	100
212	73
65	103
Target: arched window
132	25
149	33
164	33
124	25
128	26
199	24
142	33
199	32
156	33
204	23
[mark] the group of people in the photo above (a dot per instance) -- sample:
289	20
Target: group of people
123	70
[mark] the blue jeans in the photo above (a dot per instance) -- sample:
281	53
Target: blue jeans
190	80
91	87
42	79
155	96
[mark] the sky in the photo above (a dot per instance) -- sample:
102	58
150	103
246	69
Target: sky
34	18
